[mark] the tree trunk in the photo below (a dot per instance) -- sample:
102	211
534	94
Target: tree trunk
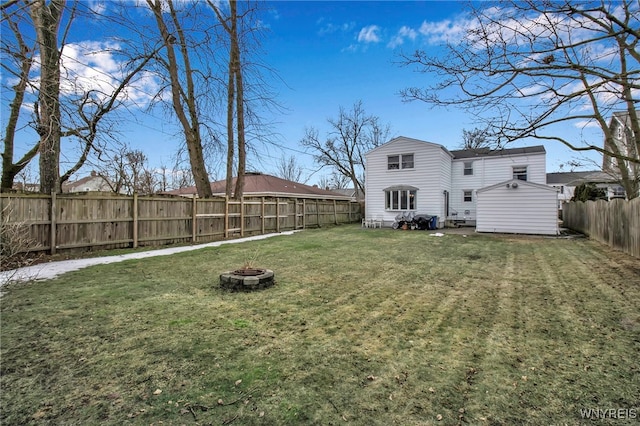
187	111
235	55
231	91
47	21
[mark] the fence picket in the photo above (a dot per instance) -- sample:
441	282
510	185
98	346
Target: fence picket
615	223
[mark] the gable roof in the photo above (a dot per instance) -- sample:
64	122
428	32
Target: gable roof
404	138
258	184
470	153
488	152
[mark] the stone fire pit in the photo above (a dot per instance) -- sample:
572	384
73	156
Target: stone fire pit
247	279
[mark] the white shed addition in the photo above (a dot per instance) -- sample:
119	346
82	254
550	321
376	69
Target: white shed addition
518	207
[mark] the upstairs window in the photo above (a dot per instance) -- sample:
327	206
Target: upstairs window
520	172
393	162
407	161
468	168
404	161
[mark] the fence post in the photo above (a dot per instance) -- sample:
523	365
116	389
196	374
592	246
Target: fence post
304	213
135	220
335	213
262	214
242	216
194	218
318	214
295	213
226	216
52	216
277	214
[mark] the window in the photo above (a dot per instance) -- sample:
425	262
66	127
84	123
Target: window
468	168
407	161
400	199
520	172
468	196
395	161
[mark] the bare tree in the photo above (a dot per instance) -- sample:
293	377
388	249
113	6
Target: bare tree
128	171
334	181
475	139
178	65
289	169
64	107
352	134
23	57
235	92
528	67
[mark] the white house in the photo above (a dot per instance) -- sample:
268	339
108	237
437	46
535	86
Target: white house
410	175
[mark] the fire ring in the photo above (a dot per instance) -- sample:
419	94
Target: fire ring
247	279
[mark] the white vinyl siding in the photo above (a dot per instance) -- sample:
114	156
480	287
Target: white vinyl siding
430	175
517	207
489	171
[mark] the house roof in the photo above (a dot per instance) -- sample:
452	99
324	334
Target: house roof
258	184
400	138
623	117
488	152
472	153
576	178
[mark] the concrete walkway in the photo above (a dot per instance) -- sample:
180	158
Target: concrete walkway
47	271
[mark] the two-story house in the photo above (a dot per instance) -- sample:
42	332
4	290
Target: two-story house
410	175
622	142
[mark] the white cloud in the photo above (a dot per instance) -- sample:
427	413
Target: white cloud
93	66
331	28
444	31
403	33
369	34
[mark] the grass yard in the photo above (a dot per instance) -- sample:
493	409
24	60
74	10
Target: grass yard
364	326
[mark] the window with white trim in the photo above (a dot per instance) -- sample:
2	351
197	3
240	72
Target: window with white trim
396	162
400	199
520	172
468	168
467	196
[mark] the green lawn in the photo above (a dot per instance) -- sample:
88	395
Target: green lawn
364	326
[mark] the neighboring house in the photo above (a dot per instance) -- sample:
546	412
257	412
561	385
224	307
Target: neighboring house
349	192
92	183
25	187
620	127
411	175
263	185
623	142
566	183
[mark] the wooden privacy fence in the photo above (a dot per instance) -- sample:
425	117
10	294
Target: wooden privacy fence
65	221
615	222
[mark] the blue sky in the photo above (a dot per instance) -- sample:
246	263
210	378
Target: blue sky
333	54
